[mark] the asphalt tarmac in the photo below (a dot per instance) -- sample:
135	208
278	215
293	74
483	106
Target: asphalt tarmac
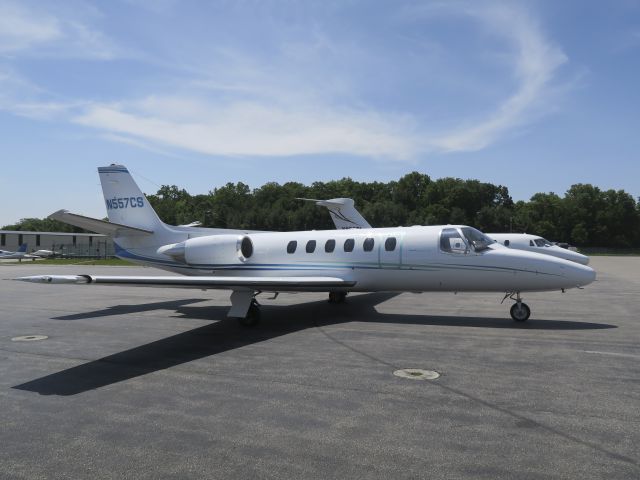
157	383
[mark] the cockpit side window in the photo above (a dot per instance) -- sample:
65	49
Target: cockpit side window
541	242
451	241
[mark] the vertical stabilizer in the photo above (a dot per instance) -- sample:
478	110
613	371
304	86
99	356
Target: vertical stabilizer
125	202
343	212
22	248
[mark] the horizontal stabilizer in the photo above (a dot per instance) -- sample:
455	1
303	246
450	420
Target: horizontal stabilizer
281	284
95	225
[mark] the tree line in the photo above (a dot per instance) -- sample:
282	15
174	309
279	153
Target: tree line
585	216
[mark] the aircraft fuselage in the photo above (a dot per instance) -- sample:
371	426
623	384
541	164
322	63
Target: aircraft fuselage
377	259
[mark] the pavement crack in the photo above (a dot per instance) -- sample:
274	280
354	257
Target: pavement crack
353	349
522	419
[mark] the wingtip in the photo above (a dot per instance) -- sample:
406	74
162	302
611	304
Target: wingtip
57	213
69	279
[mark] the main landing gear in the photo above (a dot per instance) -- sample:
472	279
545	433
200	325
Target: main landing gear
245	308
520	311
337	297
253	315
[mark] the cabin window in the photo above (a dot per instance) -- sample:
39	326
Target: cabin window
330	246
506	243
349	243
531	244
311	246
390	244
368	244
291	247
451	241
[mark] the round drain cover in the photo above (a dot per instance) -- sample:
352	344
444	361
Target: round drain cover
29	338
416	374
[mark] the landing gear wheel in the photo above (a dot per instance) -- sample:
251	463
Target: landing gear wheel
253	315
520	312
337	297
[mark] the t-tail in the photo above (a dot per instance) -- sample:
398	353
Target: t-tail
125	202
132	219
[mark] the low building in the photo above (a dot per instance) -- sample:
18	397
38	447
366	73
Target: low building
62	244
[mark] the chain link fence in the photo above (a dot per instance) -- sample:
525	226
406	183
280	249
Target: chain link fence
97	249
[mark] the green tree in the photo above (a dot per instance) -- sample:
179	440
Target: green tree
585	216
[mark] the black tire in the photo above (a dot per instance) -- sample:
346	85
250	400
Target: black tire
520	312
253	316
337	297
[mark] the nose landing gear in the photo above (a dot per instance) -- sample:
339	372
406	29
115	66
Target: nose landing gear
520	311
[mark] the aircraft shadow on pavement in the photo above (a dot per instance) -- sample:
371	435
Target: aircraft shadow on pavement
226	334
135	308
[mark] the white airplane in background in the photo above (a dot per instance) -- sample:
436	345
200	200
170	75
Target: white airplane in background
452	258
345	215
534	243
19	254
44	253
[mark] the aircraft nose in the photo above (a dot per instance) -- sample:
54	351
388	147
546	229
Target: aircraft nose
578	257
580	275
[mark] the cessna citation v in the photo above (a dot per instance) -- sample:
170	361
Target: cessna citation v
453	258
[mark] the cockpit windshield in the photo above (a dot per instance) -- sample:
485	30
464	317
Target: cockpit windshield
541	242
476	238
462	240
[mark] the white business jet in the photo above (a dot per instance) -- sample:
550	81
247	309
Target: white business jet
345	215
452	258
534	243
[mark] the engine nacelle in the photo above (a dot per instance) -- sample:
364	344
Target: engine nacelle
212	249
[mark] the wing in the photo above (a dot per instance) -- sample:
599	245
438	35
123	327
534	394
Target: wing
276	284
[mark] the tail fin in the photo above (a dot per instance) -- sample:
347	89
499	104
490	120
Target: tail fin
22	248
343	212
125	202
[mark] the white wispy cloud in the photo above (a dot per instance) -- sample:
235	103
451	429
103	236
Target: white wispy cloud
245	128
42	31
535	61
242	105
23	98
21	28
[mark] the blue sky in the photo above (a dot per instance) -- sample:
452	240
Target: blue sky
533	95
